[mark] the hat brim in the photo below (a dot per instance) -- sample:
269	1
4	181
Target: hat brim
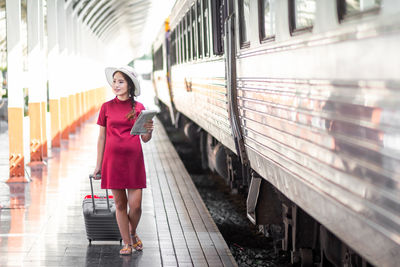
110	72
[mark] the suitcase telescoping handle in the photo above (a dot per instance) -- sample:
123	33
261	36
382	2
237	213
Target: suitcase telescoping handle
91	176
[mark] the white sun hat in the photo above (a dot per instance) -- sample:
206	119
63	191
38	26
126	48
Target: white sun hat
132	74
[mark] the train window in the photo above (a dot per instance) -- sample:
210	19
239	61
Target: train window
178	43
168	46
182	43
172	41
302	14
158	59
244	23
205	28
184	46
267	19
194	32
189	36
349	8
174	47
199	29
218	16
175	44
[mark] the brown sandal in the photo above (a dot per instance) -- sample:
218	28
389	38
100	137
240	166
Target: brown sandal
138	246
126	250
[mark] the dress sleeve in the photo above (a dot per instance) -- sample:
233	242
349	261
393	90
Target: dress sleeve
102	120
139	108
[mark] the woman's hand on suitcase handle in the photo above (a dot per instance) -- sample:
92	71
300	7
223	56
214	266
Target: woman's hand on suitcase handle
96	174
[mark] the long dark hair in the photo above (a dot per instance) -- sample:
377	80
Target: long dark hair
131	90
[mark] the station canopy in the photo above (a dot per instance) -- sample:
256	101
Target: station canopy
125	26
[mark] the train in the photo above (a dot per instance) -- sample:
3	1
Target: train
296	103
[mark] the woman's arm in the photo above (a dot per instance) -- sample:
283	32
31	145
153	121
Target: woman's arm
149	127
100	150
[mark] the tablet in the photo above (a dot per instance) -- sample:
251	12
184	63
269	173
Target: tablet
145	115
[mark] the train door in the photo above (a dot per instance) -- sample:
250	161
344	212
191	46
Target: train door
230	61
169	38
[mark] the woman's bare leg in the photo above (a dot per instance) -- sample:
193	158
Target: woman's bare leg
135	209
122	214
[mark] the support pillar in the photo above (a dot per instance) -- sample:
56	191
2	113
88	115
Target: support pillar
84	103
63	68
35	82
44	129
35	118
43	79
80	69
71	63
78	110
55	122
15	94
72	108
53	70
64	117
16	142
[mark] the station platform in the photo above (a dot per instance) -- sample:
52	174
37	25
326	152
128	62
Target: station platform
42	223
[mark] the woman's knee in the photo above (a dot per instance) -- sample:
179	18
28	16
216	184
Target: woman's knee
120	200
120	206
136	208
135	200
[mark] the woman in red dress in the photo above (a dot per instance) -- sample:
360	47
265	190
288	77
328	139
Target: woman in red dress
119	154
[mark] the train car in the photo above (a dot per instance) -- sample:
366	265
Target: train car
198	80
311	91
319	107
198	73
161	72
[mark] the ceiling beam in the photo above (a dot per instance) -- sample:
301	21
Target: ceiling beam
103	16
97	10
85	8
68	3
131	25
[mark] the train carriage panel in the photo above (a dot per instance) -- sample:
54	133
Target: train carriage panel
161	69
162	89
200	94
320	119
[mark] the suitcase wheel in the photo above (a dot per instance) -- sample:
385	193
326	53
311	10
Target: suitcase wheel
90	241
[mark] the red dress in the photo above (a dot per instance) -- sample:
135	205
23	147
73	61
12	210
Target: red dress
123	163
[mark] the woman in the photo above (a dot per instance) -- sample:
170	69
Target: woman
119	154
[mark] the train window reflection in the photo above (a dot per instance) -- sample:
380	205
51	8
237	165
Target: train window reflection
158	59
183	41
267	19
244	21
205	28
199	16
302	14
193	37
173	47
218	16
357	7
189	38
179	38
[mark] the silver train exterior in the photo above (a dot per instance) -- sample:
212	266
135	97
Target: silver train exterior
198	90
318	109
